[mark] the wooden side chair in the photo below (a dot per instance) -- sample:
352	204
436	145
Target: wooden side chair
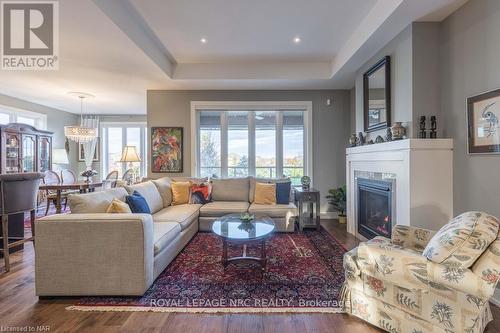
68	177
50	178
128	177
111	178
18	194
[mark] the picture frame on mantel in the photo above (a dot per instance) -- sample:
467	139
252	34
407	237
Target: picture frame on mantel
377	96
167	149
483	128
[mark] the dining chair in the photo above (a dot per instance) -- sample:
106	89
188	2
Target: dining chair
128	176
111	178
51	178
18	194
68	177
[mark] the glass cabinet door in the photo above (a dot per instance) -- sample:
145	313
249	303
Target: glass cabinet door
29	151
12	153
43	154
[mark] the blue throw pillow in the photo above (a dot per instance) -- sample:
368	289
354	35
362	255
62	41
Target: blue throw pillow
137	203
283	193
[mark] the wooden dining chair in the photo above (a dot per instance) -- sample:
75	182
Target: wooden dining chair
51	178
111	178
68	177
18	194
128	176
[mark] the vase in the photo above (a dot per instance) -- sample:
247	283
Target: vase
398	131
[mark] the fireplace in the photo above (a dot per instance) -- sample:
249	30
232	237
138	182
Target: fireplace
374	207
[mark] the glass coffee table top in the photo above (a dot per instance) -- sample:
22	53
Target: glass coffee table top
231	227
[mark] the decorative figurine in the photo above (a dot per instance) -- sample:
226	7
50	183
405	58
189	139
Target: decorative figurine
361	139
306	182
353	140
379	139
398	131
422	134
433	133
388	137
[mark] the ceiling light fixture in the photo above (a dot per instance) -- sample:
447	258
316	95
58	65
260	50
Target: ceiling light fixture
203	40
80	134
296	40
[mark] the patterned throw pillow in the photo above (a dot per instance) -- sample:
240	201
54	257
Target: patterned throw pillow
265	194
180	193
462	241
117	206
201	193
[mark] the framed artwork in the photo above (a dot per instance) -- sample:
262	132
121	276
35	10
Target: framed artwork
167	149
483	114
81	152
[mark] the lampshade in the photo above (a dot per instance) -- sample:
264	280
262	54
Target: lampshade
59	156
129	154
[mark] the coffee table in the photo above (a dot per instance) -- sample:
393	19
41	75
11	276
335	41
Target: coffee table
233	230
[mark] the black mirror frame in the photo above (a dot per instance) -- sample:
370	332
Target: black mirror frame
386	61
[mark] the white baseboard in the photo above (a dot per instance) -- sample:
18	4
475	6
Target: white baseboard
495	299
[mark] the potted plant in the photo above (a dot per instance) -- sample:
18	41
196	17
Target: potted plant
337	198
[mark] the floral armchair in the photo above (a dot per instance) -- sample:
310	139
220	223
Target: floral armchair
423	281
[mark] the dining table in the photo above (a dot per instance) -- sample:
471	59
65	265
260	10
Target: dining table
82	187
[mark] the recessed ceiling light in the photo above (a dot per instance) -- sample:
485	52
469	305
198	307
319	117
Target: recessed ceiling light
203	40
296	40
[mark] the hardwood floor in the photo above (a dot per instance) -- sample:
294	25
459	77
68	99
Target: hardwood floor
19	308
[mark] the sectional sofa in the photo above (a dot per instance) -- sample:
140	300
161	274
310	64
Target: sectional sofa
91	252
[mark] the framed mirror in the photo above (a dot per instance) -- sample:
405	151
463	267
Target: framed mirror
377	95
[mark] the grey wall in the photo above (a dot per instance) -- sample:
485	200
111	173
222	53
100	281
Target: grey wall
400	51
56	120
470	64
330	124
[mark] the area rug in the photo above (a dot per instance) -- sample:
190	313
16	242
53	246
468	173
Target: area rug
304	274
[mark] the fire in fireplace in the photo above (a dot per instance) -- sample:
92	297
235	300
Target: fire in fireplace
374	207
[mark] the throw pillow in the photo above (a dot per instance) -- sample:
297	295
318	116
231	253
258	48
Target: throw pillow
201	193
180	193
283	193
265	194
118	206
137	203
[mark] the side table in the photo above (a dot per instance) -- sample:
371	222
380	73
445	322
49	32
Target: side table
311	197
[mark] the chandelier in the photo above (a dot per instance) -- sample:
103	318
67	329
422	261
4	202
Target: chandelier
80	134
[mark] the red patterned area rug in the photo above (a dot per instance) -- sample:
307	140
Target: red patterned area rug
304	274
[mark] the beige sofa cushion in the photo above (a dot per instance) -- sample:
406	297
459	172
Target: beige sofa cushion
221	208
163	234
462	240
230	189
164	187
253	181
195	180
95	202
182	214
149	191
273	210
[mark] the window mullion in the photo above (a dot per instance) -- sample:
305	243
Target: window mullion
251	143
279	144
223	144
124	143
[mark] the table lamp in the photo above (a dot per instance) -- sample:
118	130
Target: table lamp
130	155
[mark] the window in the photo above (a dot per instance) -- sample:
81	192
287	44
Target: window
11	115
115	136
262	143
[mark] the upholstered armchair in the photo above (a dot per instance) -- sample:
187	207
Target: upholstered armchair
423	281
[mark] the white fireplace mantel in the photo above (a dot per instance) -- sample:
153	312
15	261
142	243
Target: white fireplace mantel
422	171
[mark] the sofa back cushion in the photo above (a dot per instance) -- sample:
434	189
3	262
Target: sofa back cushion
194	180
253	181
230	189
164	186
150	192
462	240
95	202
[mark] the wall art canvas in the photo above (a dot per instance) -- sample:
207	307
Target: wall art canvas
483	114
166	149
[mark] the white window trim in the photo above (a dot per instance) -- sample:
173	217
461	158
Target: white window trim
40	118
254	105
124	126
